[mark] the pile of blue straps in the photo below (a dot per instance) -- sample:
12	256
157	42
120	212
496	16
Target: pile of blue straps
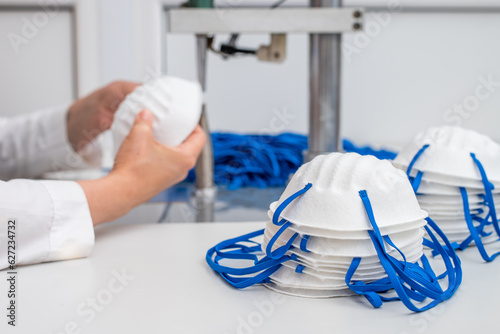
264	160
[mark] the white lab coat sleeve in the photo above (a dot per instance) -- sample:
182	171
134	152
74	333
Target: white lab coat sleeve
52	221
36	143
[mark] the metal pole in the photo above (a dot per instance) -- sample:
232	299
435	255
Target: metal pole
201	3
324	94
205	192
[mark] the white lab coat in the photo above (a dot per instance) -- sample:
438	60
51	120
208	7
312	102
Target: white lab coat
52	218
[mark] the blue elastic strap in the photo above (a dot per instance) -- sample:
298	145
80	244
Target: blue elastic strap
238	251
421	281
370	289
237	248
411	273
427	267
277	253
483	222
403	293
303	244
475	232
299	269
280	251
455	268
357	286
257	266
488	186
429	244
415	182
261	269
413	276
242	282
285	203
472	229
415	158
389	241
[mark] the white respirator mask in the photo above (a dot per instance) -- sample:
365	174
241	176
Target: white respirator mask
456	176
338	247
447	158
390	193
174	102
433	188
364	216
369	262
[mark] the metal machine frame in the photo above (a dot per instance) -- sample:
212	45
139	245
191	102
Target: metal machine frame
324	21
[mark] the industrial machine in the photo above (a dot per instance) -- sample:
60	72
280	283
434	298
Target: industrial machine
324	21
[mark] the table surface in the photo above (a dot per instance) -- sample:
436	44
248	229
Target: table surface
153	278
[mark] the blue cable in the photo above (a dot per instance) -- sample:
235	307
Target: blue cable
263	160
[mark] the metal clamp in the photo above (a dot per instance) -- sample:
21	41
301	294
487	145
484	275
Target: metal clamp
284	20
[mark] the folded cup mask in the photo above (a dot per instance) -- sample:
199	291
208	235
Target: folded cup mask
308	293
456	175
454	199
434	188
350	235
334	194
448	155
342	247
174	102
412	253
362	214
369	263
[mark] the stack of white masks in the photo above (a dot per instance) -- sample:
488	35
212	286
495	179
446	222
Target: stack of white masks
346	224
174	102
456	175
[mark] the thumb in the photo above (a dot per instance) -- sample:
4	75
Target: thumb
143	125
144	117
143	120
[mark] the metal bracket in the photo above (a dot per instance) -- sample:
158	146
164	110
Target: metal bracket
274	52
285	20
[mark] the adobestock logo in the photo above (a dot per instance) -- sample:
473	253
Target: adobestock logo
31	26
93	305
470	104
263	310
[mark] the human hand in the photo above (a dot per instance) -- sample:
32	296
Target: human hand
91	115
143	168
144	161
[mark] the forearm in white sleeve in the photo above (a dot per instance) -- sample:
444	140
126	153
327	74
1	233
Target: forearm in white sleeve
33	144
52	221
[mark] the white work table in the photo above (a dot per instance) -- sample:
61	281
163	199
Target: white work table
174	291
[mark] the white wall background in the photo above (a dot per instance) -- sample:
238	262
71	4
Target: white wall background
412	73
38	72
403	76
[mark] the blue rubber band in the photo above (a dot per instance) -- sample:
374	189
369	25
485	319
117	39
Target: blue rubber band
261	269
303	244
285	203
488	186
415	158
415	184
299	269
421	281
280	251
472	228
